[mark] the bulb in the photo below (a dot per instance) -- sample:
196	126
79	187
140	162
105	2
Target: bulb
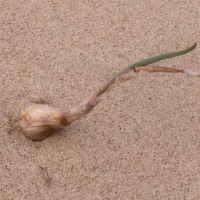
40	121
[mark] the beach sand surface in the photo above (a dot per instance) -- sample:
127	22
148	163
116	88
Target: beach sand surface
142	141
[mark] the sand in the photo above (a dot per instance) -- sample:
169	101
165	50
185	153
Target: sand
142	141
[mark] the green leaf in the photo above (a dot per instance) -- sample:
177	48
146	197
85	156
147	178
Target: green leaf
162	57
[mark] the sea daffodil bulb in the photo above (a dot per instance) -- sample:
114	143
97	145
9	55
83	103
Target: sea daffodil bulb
40	121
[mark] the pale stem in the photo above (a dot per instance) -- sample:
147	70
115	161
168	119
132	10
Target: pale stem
124	75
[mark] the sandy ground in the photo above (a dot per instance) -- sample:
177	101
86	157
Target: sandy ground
142	141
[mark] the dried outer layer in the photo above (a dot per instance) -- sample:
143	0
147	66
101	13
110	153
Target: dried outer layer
152	69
